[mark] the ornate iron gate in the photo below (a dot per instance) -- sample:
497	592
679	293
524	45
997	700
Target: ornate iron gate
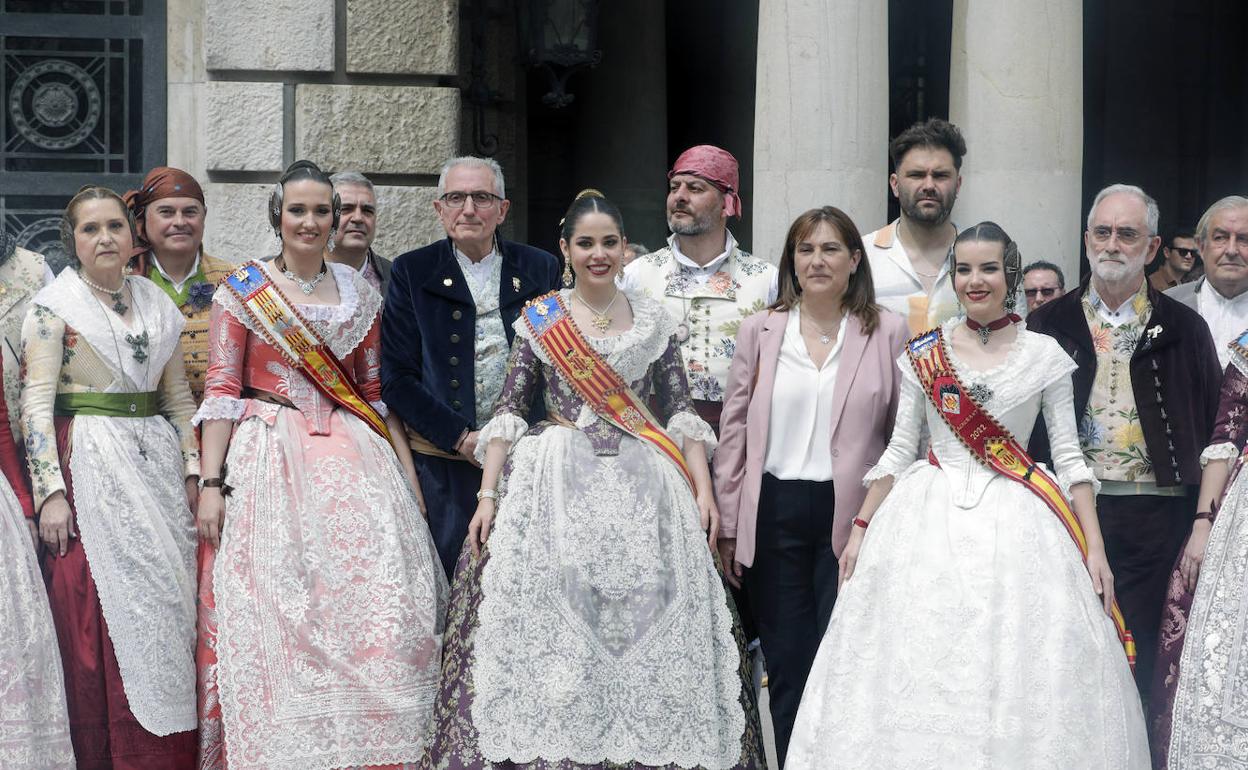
82	90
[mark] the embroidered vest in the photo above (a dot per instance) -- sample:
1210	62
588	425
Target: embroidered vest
710	314
1110	432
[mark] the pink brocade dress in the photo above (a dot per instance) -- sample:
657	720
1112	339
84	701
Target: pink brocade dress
320	639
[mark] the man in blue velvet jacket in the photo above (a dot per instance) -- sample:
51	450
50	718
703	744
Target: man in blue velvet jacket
446	335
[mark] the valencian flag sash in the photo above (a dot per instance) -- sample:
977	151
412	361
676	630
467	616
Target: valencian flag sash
593	378
995	447
286	330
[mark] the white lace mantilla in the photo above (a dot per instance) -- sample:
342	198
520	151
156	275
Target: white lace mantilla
342	327
140	541
154	313
1034	377
34	724
601	608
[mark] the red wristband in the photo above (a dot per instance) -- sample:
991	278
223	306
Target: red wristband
860	522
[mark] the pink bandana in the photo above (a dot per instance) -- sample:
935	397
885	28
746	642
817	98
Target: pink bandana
715	166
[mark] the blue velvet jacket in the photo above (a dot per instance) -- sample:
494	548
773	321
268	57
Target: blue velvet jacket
428	333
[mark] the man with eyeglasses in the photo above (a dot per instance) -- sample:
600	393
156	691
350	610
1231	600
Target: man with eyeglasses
446	334
1146	393
1178	258
1221	296
1043	282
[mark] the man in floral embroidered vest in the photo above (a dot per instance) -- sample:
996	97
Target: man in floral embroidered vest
705	280
169	212
1146	394
445	336
22	273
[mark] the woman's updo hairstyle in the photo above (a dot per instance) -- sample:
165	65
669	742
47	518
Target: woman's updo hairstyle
301	169
991	232
588	201
69	219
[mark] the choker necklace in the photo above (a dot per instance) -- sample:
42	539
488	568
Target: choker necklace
117	296
309	286
986	330
601	320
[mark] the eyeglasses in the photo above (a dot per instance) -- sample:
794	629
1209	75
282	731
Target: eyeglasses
480	199
1047	291
1182	252
1127	236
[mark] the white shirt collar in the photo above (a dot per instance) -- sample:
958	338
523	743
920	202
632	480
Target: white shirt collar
1217	295
177	285
730	243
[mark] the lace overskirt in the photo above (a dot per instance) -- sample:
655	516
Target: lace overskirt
968	638
602	631
1210	717
34	725
321	614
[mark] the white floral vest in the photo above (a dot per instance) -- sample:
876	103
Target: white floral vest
709	315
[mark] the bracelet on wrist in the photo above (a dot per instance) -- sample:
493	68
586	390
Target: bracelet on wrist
487	494
1205	516
861	522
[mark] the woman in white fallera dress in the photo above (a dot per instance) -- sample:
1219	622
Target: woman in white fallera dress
967	633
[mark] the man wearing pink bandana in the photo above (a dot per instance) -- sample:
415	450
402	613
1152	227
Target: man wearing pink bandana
704	279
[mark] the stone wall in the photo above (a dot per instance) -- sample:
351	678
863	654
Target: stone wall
367	85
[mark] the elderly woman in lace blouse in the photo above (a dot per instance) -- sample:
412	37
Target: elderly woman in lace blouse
597	630
106	417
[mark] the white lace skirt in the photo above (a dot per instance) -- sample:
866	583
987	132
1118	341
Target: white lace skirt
1210	727
604	631
968	638
34	725
326	638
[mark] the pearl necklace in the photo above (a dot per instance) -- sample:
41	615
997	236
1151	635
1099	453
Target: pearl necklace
116	295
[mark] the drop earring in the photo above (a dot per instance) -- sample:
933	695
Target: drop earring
330	244
567	273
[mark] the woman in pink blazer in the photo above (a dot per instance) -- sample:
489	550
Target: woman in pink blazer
810	403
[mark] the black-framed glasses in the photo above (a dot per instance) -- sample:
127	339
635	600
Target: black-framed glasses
480	199
1184	252
1046	292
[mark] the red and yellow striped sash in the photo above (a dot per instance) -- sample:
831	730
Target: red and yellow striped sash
996	447
593	378
286	330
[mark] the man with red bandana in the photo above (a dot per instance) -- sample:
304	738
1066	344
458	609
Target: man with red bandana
706	281
169	212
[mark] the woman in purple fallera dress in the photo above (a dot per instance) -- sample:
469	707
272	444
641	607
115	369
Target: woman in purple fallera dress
594	630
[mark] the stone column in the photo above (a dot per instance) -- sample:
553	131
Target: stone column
821	115
1016	91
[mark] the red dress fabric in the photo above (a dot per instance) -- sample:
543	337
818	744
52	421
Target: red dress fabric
105	734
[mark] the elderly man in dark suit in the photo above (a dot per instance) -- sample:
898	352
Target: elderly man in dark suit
446	334
1146	393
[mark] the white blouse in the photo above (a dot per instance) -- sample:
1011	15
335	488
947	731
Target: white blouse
799	439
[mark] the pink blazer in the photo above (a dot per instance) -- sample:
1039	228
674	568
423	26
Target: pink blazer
864	405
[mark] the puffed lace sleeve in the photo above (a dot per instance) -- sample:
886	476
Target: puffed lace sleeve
903	445
1230	429
671	390
223	382
1058	405
524	376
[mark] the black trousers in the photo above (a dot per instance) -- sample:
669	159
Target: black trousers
792	587
450	489
1143	535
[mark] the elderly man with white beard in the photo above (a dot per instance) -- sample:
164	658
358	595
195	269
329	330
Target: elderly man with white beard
1146	393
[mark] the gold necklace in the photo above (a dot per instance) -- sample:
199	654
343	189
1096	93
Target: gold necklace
601	321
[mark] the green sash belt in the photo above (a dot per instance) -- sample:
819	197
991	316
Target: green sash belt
108	404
